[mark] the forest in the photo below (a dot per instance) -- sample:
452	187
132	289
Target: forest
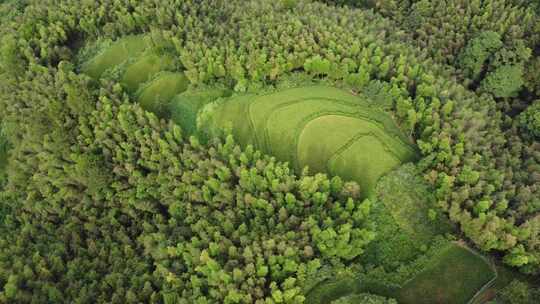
270	151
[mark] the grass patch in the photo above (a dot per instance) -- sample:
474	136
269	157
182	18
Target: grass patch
309	141
409	200
451	274
229	117
185	107
284	126
144	68
364	160
363	299
453	277
118	52
360	149
307	126
329	291
156	95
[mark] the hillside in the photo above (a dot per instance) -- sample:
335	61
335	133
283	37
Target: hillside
289	151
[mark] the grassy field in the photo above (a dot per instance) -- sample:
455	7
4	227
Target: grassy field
155	95
117	53
144	72
364	160
144	68
284	126
330	291
464	274
184	107
319	127
232	116
309	141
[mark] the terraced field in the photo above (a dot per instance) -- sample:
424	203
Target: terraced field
117	53
144	71
324	128
327	129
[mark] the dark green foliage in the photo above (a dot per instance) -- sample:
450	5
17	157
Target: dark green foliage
505	81
94	183
4	154
447	29
11	58
289	3
518	292
529	120
364	299
474	56
127	211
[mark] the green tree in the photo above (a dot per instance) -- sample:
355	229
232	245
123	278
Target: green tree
529	120
475	55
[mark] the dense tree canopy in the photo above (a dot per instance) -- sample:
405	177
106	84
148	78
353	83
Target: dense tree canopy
103	201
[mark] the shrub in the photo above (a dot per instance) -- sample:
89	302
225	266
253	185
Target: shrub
475	55
529	120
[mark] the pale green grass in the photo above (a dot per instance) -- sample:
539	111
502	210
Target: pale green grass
353	148
156	95
184	107
314	152
262	106
364	161
285	124
231	116
308	126
117	53
144	68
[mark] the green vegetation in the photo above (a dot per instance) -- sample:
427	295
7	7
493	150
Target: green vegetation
363	299
465	273
143	69
529	119
323	128
407	198
477	52
406	259
157	152
184	108
518	292
156	95
117	53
